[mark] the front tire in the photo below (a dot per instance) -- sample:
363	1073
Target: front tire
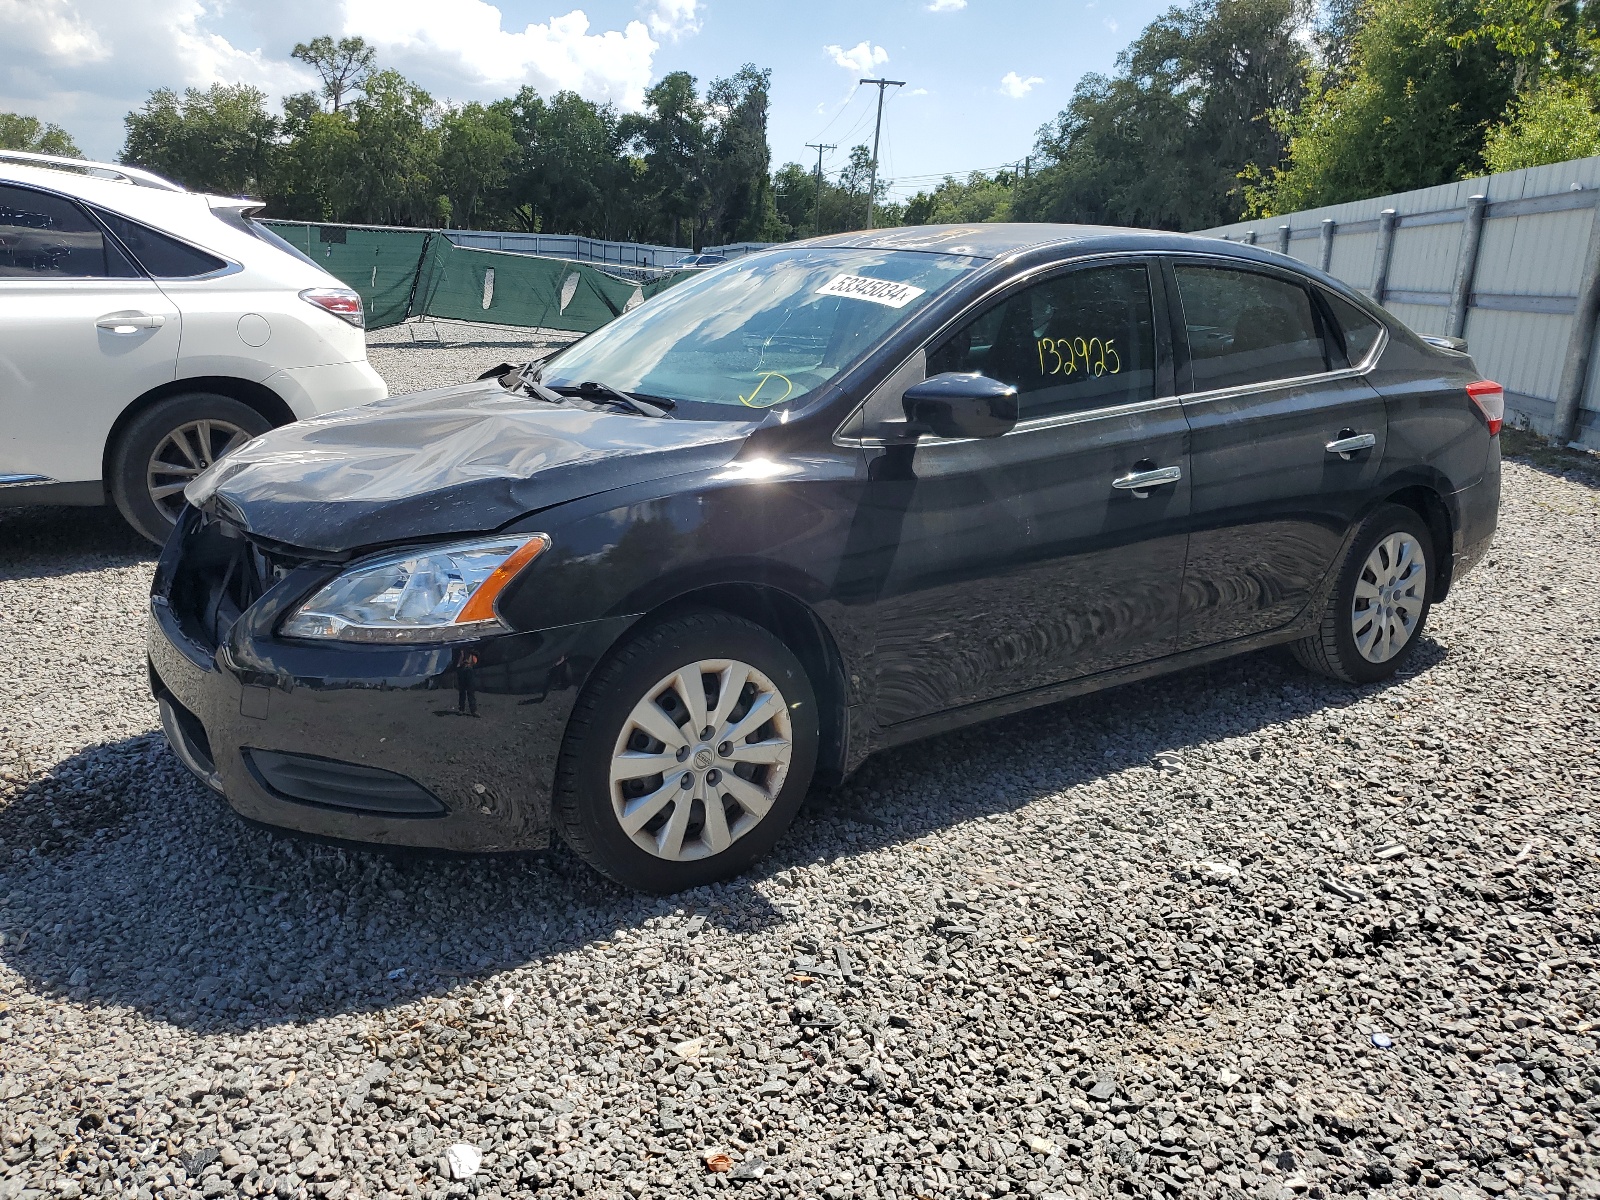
167	445
688	754
1380	602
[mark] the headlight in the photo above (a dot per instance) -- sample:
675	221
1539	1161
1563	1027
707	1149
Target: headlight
431	594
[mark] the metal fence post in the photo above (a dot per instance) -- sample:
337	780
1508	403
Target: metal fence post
1250	238
1283	240
1387	220
1466	265
1580	343
1328	226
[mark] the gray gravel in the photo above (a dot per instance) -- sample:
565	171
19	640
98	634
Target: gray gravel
1235	932
426	352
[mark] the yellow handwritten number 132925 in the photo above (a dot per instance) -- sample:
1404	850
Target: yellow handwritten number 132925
1070	356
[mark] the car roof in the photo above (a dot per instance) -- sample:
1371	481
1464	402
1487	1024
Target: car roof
1002	239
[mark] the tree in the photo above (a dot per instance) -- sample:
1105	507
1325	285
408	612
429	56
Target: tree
740	205
1163	141
19	132
1552	123
220	140
476	149
1422	88
979	197
396	153
344	65
672	135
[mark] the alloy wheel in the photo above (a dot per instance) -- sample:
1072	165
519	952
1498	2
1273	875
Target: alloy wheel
1390	596
183	454
701	759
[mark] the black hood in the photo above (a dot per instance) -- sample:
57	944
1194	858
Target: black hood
462	459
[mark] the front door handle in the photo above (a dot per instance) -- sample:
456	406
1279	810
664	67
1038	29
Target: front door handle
1349	441
130	322
1140	482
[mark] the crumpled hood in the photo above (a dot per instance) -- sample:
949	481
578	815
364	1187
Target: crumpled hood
455	460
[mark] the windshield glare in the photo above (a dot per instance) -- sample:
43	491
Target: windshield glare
761	331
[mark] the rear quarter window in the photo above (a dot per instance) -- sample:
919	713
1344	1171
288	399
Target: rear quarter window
160	255
1359	329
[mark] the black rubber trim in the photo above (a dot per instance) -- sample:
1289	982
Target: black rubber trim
348	787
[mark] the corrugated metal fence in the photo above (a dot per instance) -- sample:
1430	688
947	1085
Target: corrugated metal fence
586	249
1510	262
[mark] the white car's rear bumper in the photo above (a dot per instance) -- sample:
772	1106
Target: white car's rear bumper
312	391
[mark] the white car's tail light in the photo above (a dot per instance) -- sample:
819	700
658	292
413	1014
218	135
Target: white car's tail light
1491	398
341	302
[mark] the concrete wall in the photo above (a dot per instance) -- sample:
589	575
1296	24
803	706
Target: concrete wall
1519	308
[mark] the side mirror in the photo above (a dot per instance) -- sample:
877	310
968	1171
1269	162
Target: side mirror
960	405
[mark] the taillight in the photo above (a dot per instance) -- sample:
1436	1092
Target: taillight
1491	398
341	302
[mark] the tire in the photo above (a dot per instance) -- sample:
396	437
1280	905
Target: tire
1372	643
179	418
680	844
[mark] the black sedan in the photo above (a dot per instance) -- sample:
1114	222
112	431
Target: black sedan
807	505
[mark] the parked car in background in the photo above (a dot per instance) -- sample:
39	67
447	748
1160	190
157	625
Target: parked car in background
822	501
146	330
699	260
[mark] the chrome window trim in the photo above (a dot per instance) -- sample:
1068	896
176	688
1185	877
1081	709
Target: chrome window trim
1367	366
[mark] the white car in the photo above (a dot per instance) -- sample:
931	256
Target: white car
146	330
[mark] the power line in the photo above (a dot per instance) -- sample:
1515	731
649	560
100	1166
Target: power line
872	178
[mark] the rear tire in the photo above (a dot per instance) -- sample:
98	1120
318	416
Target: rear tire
1380	602
637	782
168	444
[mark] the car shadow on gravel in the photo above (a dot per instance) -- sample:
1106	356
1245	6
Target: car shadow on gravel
51	542
125	883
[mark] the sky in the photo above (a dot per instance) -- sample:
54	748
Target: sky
980	76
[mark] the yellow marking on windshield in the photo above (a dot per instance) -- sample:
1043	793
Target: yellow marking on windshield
750	400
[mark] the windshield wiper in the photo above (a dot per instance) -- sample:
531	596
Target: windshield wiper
604	393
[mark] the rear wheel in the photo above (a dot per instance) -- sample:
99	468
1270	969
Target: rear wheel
1377	610
688	754
169	444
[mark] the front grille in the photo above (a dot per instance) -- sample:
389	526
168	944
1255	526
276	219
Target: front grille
219	575
327	783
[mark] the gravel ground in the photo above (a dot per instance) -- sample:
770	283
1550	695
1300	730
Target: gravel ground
1234	932
426	353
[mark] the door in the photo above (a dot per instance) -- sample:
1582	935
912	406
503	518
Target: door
82	333
1286	441
1056	550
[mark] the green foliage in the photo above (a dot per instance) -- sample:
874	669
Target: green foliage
842	206
219	140
979	197
1163	141
1554	122
19	132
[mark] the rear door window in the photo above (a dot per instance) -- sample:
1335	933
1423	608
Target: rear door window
1245	327
1082	340
44	236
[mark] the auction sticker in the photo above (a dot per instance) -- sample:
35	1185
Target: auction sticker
878	291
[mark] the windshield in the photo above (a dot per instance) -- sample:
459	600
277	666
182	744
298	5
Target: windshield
762	331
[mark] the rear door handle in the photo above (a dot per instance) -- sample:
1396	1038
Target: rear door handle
1348	442
1142	481
130	322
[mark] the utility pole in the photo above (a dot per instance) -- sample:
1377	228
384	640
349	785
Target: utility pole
872	177
819	147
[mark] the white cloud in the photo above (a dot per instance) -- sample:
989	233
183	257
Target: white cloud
1015	86
1111	24
84	63
860	58
674	19
465	46
947	5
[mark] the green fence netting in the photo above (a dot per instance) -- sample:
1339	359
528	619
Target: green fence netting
404	273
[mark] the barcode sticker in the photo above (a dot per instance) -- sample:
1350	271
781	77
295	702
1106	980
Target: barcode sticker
878	291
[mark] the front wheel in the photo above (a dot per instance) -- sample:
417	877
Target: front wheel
1380	603
688	754
166	446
